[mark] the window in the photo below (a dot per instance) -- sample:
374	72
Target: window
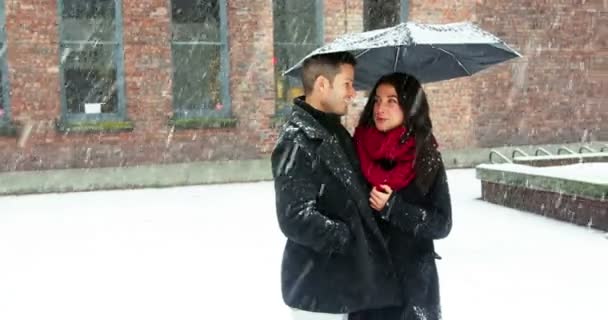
298	29
4	91
384	13
91	60
200	58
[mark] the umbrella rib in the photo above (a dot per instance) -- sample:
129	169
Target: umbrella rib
453	56
396	59
362	53
513	50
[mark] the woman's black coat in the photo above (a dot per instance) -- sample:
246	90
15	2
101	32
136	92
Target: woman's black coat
410	222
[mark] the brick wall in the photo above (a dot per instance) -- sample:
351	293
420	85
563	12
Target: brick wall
557	92
551	95
577	210
450	101
252	74
33	56
554	94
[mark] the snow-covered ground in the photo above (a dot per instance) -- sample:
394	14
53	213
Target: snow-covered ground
213	252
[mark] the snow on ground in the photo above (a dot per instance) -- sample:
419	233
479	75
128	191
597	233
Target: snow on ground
501	263
592	172
213	252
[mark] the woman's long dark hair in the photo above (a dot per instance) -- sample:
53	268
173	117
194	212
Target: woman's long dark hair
417	120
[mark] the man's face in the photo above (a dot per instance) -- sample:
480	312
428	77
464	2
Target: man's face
341	91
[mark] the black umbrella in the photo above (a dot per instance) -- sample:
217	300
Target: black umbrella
428	52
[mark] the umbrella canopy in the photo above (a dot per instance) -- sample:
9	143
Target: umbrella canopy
428	52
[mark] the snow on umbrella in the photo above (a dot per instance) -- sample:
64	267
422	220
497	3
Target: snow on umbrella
430	52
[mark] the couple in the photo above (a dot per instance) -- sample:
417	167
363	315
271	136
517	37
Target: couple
360	213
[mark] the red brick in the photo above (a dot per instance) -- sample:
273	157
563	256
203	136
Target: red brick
556	93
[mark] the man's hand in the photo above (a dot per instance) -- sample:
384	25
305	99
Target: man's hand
379	197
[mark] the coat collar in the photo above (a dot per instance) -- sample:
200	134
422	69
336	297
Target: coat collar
332	155
306	122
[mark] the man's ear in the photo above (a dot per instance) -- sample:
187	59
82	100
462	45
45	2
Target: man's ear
322	83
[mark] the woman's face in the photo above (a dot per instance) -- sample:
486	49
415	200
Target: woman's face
387	112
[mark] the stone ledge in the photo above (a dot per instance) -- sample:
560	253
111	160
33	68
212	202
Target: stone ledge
153	176
102	126
203	122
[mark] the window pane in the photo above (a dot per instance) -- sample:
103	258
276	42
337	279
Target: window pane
3	111
89	20
196	78
381	13
90	77
80	9
288	87
196	20
296	33
295	21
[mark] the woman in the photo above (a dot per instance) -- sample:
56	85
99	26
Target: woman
399	158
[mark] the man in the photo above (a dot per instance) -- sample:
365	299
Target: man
335	261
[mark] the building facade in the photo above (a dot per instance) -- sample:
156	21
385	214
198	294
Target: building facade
106	83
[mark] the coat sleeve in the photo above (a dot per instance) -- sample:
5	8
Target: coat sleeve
296	203
430	221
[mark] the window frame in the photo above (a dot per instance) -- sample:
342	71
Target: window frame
118	56
6	117
404	11
319	41
226	111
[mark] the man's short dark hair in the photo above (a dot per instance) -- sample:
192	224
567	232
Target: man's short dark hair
327	65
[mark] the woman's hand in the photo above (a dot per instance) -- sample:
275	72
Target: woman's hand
379	197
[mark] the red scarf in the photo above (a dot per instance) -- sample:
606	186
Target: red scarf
374	146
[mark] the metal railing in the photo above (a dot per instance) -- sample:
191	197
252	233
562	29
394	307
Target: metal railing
585	148
520	151
542	150
565	149
500	156
495	154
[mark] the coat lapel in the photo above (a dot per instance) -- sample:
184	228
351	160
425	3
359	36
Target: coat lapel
331	154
